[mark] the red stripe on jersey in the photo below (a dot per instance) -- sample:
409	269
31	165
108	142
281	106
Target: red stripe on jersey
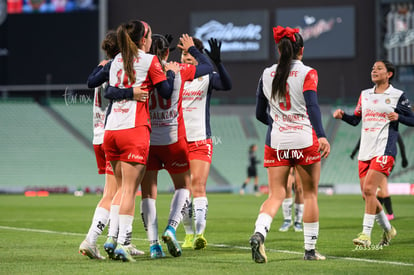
358	109
311	81
155	72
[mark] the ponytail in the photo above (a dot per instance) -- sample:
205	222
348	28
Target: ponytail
129	36
289	44
283	69
160	47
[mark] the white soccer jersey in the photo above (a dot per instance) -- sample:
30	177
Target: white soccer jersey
127	114
291	127
167	115
373	109
100	106
195	108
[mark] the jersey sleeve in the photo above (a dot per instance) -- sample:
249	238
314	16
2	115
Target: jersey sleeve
358	108
156	72
187	72
311	81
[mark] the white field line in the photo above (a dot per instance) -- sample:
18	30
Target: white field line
214	245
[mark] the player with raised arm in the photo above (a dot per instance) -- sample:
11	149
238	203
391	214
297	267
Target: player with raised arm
127	129
196	111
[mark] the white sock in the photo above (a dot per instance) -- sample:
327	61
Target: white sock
125	228
263	223
382	221
99	221
177	205
188	217
200	213
310	234
368	224
149	215
299	212
113	221
287	209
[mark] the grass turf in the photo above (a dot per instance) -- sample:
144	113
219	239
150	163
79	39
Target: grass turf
41	235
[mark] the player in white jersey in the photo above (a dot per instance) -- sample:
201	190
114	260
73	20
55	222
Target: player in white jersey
108	208
127	129
100	106
286	101
381	109
169	145
168	148
382	194
196	110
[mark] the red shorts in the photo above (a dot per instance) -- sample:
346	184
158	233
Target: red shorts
201	150
129	145
172	157
104	167
383	164
292	157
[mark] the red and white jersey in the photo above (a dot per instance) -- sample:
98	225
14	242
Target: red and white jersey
291	127
373	109
100	106
195	108
167	115
127	114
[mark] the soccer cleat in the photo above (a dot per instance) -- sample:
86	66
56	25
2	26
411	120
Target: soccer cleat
390	217
122	253
285	226
109	246
312	255
258	249
298	227
362	240
387	236
169	238
133	250
156	251
199	242
241	191
188	241
90	250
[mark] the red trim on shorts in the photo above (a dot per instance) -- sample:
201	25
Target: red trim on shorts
128	145
383	164
100	158
201	150
104	166
292	157
172	157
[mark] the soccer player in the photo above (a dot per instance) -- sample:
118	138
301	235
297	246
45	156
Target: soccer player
381	109
196	111
382	194
98	79
101	215
286	101
251	171
127	129
293	182
168	148
169	145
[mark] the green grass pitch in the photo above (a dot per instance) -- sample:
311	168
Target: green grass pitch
41	235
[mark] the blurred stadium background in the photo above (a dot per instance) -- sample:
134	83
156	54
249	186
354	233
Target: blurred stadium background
47	53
